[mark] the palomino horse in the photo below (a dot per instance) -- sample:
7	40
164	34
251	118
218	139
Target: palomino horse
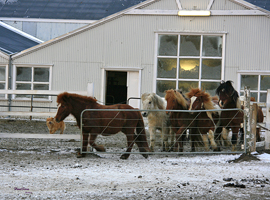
103	122
206	121
157	120
229	99
180	121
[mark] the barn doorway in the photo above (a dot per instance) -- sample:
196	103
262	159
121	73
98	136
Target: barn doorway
116	87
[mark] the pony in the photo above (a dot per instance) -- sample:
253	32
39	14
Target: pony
180	121
53	126
104	123
157	120
229	99
206	121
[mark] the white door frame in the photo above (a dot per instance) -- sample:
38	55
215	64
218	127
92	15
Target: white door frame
122	69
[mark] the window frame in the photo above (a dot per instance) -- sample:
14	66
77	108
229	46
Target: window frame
6	80
252	72
32	66
178	57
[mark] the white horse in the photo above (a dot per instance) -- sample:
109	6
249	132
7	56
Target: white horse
157	119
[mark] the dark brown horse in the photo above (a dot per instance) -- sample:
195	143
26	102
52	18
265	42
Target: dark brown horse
180	121
103	122
231	119
205	121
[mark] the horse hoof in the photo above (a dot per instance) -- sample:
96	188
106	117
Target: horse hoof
145	155
124	156
81	155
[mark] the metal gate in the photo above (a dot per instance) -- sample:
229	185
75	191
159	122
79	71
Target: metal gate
192	140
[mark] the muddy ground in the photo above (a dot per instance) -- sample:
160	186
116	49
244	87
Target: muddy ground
49	169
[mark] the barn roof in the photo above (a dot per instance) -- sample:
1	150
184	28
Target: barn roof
264	4
13	40
63	9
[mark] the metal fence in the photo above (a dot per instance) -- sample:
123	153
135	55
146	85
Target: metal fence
192	136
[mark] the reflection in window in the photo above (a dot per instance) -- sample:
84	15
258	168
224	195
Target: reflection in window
32	78
212	46
210	87
258	85
186	85
211	69
166	68
167	45
2	80
189	68
164	85
190	45
187	61
249	80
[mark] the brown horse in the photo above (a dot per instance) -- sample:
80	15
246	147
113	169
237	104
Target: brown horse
232	119
103	122
180	121
206	121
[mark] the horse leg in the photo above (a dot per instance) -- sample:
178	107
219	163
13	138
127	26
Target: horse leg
165	136
179	139
212	139
84	145
234	137
224	135
130	142
94	145
205	140
258	136
152	132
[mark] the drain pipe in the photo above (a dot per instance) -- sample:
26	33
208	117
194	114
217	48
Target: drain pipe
9	81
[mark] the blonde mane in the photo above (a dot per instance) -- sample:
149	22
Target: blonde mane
206	97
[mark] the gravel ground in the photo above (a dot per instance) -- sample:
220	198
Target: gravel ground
49	169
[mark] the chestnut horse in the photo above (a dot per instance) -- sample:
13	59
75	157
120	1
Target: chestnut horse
206	121
232	119
180	121
103	122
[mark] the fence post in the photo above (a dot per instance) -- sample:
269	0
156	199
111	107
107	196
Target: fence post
247	118
267	132
254	109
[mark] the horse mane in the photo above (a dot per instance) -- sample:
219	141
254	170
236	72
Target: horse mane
157	100
65	96
180	98
206	97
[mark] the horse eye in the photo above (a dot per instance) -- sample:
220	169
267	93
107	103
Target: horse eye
150	102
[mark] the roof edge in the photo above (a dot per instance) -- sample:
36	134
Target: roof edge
4	55
82	29
250	6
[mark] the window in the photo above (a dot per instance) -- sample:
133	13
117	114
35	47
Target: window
258	83
3	79
185	61
32	78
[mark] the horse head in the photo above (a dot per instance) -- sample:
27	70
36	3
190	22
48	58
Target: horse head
227	94
175	100
151	102
64	107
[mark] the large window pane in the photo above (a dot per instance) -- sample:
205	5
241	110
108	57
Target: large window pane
167	45
212	46
190	45
210	87
249	80
166	68
20	86
41	74
263	97
255	95
2	73
186	85
164	85
189	68
211	69
24	74
2	87
265	82
41	87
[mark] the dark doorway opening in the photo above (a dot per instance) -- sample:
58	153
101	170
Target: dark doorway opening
116	89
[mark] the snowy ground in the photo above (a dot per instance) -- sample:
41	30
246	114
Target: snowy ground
49	169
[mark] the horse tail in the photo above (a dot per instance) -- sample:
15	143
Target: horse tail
140	138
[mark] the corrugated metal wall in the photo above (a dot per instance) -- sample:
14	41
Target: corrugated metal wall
129	41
